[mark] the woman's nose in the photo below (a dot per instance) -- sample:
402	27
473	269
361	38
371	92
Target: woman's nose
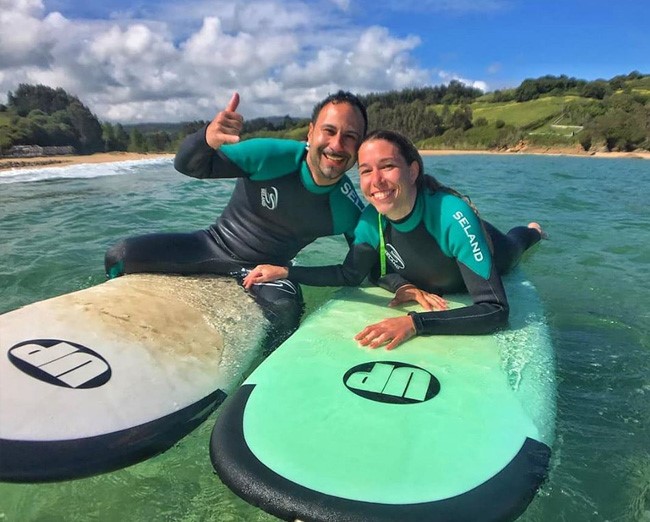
375	177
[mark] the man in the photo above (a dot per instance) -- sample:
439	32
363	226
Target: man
287	194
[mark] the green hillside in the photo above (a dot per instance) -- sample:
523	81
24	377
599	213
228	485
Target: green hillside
526	114
550	111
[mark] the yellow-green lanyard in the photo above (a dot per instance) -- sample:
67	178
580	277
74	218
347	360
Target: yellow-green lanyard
382	247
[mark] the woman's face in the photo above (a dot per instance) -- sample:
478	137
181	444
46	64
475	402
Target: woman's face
387	181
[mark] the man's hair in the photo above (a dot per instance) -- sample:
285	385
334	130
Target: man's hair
342	97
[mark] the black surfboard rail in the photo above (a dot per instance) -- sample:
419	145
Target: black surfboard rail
503	497
56	460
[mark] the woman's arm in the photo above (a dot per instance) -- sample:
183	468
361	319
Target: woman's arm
488	313
352	272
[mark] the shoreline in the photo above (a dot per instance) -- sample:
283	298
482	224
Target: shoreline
13	164
541	151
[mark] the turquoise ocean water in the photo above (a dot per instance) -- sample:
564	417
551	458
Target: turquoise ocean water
592	276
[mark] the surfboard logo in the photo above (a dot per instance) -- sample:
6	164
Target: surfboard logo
61	363
392	382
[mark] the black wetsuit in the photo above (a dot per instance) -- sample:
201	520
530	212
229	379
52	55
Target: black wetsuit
275	210
440	247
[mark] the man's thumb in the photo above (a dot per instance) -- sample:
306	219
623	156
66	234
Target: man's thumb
233	103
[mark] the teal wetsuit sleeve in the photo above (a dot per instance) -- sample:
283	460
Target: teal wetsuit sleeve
467	243
257	158
266	158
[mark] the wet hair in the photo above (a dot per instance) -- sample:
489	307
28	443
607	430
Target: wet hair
342	97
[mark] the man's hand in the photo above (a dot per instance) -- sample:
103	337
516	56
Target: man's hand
226	126
264	274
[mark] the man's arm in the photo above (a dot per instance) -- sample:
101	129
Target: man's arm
198	155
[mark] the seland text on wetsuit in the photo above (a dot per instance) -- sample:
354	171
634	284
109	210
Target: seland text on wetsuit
441	248
275	210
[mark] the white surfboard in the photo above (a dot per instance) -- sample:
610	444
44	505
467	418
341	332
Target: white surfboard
107	376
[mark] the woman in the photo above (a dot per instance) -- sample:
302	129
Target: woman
430	238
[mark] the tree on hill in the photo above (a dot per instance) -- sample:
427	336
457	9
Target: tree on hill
53	117
38	97
453	93
624	125
413	120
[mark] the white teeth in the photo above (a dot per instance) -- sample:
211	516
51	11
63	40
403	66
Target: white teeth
382	195
335	158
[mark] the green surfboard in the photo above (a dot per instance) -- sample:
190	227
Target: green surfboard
441	428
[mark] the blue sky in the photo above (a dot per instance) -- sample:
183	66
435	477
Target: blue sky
172	61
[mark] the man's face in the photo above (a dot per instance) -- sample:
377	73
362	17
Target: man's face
333	142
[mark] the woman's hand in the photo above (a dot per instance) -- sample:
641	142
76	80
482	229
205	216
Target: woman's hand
407	293
393	331
264	274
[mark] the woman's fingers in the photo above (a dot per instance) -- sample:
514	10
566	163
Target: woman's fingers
391	332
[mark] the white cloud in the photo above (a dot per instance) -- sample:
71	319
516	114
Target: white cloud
26	37
447	77
281	56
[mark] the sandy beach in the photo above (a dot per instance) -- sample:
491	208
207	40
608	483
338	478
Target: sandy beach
60	161
107	157
547	151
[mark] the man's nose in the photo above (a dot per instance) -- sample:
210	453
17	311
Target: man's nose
336	142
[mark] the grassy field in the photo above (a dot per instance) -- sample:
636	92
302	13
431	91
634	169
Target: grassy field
523	114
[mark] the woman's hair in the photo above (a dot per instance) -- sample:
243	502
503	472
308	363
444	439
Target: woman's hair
410	153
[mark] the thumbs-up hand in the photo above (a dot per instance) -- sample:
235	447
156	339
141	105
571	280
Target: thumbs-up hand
226	126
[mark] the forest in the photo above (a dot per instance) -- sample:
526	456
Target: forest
550	111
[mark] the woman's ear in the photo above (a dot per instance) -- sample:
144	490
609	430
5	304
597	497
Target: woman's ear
414	170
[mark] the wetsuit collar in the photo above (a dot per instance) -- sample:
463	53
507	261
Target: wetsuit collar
413	219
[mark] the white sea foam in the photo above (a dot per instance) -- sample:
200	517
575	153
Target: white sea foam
84	170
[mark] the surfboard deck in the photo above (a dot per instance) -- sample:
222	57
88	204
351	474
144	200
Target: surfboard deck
101	378
441	428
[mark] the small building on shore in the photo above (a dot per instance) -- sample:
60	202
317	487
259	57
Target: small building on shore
35	151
